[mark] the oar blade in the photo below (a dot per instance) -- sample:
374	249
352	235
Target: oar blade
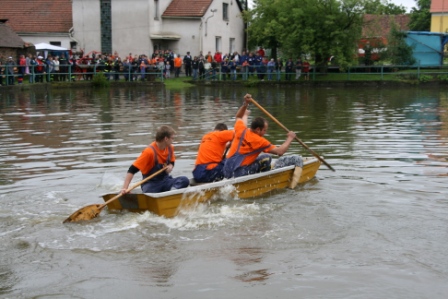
85	213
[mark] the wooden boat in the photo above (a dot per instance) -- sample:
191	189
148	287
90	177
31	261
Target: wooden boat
169	203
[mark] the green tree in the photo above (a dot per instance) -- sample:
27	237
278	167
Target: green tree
383	7
323	28
420	16
398	51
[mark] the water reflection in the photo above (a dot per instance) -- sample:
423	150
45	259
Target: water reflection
44	131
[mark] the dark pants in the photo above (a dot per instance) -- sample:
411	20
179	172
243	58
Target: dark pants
165	184
10	79
261	164
203	175
188	70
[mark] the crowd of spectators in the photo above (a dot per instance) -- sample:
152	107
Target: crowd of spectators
162	63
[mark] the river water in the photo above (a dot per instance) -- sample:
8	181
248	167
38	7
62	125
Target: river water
377	227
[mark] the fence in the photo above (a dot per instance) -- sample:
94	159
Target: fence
12	74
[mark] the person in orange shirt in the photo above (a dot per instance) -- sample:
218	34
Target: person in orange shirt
243	157
157	155
154	62
210	160
177	65
209	57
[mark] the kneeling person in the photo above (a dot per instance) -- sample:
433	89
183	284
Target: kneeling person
153	158
248	143
210	160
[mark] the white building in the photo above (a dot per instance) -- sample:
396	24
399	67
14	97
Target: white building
142	26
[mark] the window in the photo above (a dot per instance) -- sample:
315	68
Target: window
218	44
225	11
55	44
156	9
231	45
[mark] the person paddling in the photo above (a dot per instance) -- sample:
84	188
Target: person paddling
244	154
158	154
209	162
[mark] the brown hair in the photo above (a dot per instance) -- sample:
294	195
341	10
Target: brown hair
164	131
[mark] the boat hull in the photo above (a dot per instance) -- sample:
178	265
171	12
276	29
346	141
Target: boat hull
168	204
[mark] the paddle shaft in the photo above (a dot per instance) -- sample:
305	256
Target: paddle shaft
133	187
225	153
286	129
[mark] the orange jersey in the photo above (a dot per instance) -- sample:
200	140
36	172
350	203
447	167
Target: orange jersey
177	62
251	143
212	147
145	162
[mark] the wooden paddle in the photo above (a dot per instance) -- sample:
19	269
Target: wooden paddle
91	211
286	129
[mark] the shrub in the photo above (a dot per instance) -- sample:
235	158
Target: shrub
425	78
99	80
443	78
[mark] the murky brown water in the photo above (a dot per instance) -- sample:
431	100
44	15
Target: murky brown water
375	228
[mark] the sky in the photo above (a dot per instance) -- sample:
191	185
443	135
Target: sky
408	4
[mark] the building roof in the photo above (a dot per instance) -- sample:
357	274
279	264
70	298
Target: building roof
380	25
187	8
439	6
8	38
37	15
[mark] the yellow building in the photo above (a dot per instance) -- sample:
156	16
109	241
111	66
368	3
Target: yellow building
439	16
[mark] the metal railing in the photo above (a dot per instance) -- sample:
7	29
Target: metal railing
12	74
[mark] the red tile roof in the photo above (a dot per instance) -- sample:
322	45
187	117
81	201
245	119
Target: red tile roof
37	15
439	6
380	25
187	8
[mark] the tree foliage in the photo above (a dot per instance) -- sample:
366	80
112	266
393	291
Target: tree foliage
398	51
420	16
383	7
322	28
326	28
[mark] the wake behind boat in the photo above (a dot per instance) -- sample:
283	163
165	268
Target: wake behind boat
168	204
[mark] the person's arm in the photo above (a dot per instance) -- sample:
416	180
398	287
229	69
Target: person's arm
169	168
241	112
246	116
128	178
281	150
127	181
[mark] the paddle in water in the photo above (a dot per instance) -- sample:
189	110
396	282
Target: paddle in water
91	211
